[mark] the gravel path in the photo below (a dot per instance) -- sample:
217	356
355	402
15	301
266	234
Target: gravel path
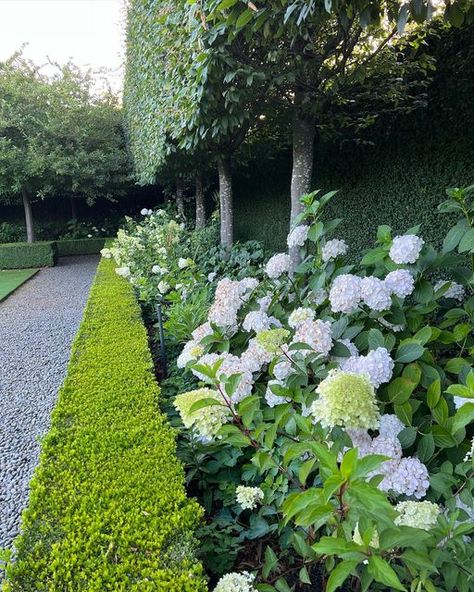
37	326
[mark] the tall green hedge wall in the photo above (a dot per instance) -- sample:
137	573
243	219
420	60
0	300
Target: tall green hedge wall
399	180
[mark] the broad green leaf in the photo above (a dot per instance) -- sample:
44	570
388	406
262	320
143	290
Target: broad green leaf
409	352
383	573
340	574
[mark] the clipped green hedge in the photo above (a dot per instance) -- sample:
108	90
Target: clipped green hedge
24	255
79	246
108	509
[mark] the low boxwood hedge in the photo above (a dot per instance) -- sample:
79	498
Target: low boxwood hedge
24	255
79	246
108	508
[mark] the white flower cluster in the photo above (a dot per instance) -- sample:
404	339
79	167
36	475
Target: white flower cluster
270	397
345	293
255	357
146	212
163	287
298	236
400	282
405	476
183	263
192	351
406	249
277	265
299	315
375	293
258	320
455	291
236	582
106	253
248	498
123	271
377	365
417	514
317	334
333	249
229	297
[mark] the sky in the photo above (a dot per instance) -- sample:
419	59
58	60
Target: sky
90	32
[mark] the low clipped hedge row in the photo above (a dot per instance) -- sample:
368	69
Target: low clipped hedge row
24	255
45	253
80	246
108	508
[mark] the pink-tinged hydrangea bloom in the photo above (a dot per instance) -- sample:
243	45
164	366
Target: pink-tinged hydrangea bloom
227	302
345	293
277	265
202	331
333	248
400	282
317	334
406	249
255	357
455	291
298	236
375	293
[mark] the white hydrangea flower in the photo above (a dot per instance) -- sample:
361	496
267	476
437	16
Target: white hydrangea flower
227	302
146	212
270	397
246	286
317	334
123	271
361	440
400	282
211	276
406	249
345	293
183	263
191	352
256	320
417	514
265	301
283	369
298	236
106	253
411	478
236	582
299	315
455	290
277	265
377	365
163	287
390	447
333	248
390	426
202	331
255	357
248	498
375	293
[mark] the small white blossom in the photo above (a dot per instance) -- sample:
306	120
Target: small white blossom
191	352
400	282
277	265
298	236
345	293
236	582
390	426
257	321
255	357
106	253
211	276
183	263
455	290
375	293
163	287
248	497
377	365
406	248
146	212
123	271
300	315
333	248
317	334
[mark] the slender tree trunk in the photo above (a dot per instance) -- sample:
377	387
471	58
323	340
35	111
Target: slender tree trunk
180	196
30	230
200	209
303	153
73	209
226	205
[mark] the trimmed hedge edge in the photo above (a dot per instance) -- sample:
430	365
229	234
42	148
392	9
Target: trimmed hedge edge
80	246
25	255
108	508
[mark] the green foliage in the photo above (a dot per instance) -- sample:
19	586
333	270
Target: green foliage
79	246
107	508
22	255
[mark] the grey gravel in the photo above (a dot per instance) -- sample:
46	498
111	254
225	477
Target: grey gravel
37	326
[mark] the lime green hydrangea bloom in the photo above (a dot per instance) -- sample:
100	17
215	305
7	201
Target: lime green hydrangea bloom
207	420
272	339
417	514
346	399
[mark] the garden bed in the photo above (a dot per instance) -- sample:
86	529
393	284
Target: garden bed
108	509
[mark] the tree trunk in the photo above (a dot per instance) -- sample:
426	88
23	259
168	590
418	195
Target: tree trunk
303	153
180	196
200	209
30	230
226	206
73	209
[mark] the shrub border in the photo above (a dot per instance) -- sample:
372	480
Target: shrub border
108	508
